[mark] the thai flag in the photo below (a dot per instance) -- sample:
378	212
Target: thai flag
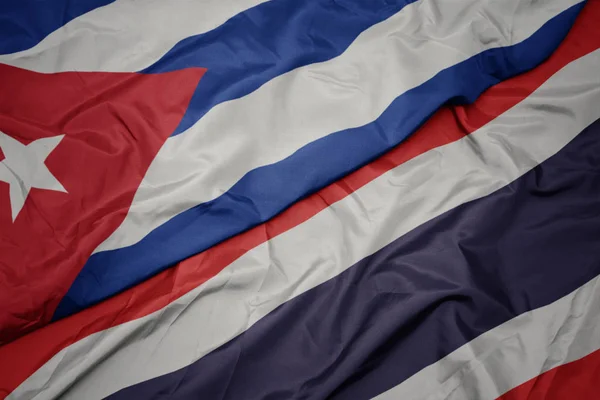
299	199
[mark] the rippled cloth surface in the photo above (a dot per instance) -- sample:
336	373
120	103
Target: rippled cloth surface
299	199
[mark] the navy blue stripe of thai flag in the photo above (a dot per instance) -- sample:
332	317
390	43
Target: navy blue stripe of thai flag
264	192
419	298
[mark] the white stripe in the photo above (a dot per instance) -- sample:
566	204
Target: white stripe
512	353
337	237
311	102
125	36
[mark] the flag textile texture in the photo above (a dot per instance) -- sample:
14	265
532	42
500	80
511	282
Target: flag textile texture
300	199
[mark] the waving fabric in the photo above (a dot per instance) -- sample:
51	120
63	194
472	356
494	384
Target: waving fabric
299	199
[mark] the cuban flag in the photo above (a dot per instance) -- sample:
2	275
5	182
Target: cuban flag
300	199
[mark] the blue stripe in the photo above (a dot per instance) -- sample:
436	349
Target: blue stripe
419	298
268	40
24	23
266	191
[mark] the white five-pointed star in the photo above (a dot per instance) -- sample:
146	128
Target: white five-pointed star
23	168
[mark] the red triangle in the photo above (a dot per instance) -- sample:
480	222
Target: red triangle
114	124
